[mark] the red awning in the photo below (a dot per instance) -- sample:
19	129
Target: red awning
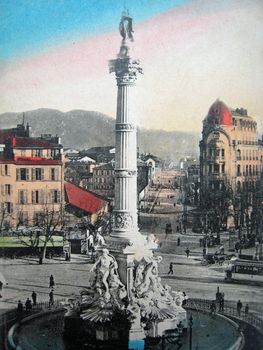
82	199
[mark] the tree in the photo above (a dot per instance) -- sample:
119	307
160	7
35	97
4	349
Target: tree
49	220
5	214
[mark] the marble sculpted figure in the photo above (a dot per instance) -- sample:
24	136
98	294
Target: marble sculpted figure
125	283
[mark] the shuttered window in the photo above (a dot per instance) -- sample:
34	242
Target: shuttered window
22	174
54	174
55	196
22	196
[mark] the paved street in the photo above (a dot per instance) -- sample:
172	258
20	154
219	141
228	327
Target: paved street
197	281
24	275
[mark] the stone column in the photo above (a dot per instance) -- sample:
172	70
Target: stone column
125	226
125	233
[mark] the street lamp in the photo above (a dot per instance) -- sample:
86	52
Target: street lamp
190	331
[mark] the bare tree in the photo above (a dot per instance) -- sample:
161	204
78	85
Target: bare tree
4	216
49	221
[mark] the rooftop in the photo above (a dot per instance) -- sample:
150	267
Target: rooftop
83	199
219	114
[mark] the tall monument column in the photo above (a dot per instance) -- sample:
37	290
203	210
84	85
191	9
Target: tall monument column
125	226
126	293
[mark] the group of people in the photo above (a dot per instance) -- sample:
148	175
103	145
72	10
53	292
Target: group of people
240	306
220	300
30	303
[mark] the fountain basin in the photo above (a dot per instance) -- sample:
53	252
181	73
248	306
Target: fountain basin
44	331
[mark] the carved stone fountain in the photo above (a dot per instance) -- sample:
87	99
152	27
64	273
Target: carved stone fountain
126	296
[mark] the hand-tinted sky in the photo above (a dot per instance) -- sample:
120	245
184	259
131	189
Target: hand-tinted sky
54	53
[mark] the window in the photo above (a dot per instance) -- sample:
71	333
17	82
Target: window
223	152
22	174
37	153
223	168
9	207
238	170
38	174
55	196
7	189
22	196
53	174
23	152
216	168
36	197
6	169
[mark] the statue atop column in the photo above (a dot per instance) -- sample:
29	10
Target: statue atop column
125	28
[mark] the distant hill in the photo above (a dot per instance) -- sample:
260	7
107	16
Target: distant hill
84	129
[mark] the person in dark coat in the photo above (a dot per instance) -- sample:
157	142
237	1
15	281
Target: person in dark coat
187	252
51	282
246	309
213	308
171	271
28	305
19	308
34	298
239	307
51	297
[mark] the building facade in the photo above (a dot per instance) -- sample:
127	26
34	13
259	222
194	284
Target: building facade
31	176
231	157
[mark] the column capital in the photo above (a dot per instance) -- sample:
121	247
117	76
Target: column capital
126	70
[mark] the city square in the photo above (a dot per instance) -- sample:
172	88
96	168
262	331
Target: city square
117	236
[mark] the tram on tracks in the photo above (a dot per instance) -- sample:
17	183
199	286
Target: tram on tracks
242	266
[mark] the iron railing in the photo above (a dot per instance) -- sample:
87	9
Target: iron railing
229	310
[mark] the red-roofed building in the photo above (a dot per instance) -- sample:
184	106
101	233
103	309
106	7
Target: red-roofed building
31	175
82	203
231	159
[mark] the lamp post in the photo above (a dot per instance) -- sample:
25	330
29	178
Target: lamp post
190	331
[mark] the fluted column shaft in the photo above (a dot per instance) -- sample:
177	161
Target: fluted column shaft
125	209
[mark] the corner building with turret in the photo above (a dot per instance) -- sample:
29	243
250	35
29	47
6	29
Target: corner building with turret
231	155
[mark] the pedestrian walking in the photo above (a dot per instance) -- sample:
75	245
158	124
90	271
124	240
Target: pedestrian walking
187	252
239	307
178	241
28	305
213	308
51	282
19	309
51	297
246	309
34	298
1	285
171	271
221	304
